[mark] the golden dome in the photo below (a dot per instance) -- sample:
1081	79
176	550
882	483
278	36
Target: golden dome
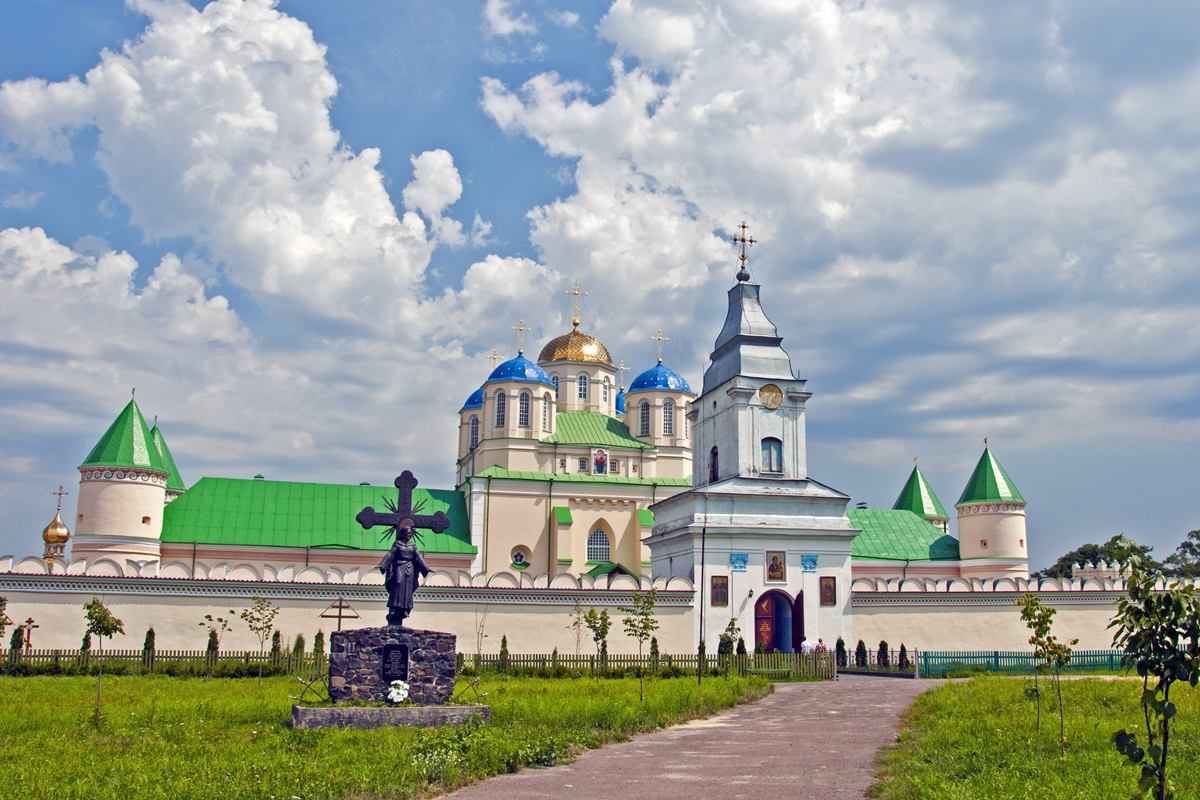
575	346
56	532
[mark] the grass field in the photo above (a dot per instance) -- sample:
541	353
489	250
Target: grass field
166	737
976	740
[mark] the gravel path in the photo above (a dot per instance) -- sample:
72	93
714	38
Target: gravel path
807	740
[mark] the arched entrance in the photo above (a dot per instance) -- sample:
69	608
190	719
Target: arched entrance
773	625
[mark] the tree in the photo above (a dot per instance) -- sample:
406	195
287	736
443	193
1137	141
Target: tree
503	665
1049	652
276	647
598	624
1159	630
860	654
319	642
18	639
1111	551
741	646
260	619
101	622
725	643
1183	563
641	624
654	654
86	644
217	626
298	645
881	657
4	620
148	649
840	651
904	663
577	626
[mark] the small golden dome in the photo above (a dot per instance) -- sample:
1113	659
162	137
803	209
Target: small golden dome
575	346
56	532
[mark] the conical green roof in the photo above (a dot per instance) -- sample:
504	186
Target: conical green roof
174	482
126	443
917	496
989	483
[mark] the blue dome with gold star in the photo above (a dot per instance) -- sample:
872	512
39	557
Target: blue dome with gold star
519	369
659	377
475	400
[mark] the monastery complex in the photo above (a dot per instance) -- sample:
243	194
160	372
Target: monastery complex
570	489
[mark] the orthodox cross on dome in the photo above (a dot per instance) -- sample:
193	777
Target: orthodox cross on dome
495	357
60	494
402	511
521	329
745	241
622	370
577	293
660	339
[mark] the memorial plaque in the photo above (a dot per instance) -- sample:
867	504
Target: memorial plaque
394	663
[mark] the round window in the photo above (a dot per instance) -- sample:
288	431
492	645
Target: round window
518	557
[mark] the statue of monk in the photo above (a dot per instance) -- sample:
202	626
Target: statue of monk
400	567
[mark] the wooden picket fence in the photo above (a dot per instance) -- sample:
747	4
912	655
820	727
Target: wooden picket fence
158	660
808	665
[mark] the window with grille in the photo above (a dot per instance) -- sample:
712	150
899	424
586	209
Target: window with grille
772	455
583	465
523	409
554	380
644	425
598	546
668	418
500	402
474	432
582	381
546	413
614	467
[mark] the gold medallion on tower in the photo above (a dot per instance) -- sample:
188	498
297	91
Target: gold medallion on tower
770	396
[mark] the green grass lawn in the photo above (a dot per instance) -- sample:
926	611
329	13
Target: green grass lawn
976	740
165	737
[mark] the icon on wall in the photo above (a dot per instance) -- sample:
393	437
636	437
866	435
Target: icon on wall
776	566
720	590
828	591
600	462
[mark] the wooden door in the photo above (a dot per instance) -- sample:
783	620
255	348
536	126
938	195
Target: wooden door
764	622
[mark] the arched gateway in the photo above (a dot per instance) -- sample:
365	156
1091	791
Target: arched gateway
779	622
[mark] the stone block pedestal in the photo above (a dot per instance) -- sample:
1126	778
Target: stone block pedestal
404	717
364	662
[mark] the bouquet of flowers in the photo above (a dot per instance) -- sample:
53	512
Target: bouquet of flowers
397	692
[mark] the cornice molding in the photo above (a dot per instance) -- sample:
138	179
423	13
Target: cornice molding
146	477
1069	598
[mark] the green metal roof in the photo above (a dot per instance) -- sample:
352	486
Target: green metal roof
126	443
594	430
174	482
897	535
989	483
917	496
281	514
576	477
562	515
646	517
607	568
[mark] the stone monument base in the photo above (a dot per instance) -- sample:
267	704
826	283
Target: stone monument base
402	717
364	662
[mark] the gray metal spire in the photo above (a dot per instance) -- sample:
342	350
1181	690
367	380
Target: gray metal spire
749	343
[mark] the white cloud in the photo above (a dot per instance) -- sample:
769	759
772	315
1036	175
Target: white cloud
567	19
22	199
501	22
435	187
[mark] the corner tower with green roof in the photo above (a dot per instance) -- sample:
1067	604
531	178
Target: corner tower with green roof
917	496
122	491
175	485
991	523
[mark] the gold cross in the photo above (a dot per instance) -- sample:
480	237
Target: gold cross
577	293
520	329
495	357
660	339
60	494
745	241
623	369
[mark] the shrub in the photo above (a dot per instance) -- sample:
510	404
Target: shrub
840	651
881	658
741	647
298	645
503	663
860	654
319	642
904	662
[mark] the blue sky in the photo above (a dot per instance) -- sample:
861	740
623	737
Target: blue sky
299	228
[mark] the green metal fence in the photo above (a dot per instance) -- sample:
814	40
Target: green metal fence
934	664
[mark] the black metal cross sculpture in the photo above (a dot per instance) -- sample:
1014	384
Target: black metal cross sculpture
403	510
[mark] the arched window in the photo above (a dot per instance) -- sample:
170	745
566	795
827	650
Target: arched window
772	455
606	390
474	432
644	424
523	409
583	385
687	422
598	547
554	380
546	413
668	418
500	400
712	466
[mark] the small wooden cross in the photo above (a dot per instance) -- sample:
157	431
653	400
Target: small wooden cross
341	606
660	339
60	494
520	329
577	293
29	626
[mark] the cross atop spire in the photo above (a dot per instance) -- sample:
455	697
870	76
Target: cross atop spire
577	293
622	370
660	339
60	494
745	241
495	357
520	329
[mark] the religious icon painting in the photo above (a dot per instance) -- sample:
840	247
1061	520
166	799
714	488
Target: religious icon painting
720	590
776	566
600	462
828	591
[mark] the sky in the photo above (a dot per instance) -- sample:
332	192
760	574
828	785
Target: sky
299	228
